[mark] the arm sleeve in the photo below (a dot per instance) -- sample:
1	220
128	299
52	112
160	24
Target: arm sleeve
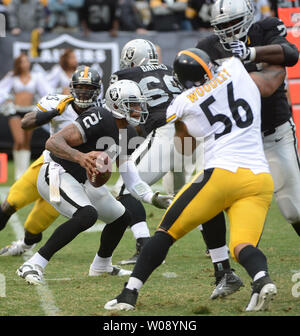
135	185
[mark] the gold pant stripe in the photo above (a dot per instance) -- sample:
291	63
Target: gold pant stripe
245	197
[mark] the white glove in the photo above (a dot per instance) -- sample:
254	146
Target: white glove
161	201
244	53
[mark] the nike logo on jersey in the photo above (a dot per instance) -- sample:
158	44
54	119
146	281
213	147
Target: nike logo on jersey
279	139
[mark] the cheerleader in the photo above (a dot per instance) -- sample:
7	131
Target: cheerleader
18	90
60	75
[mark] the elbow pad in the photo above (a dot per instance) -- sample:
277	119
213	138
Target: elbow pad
291	54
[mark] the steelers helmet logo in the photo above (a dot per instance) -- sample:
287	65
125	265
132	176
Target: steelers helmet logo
114	95
130	53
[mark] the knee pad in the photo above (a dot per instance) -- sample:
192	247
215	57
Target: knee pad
135	207
87	216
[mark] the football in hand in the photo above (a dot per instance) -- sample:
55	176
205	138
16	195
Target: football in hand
104	167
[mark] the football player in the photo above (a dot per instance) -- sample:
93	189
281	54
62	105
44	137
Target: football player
155	156
223	106
63	181
254	43
58	110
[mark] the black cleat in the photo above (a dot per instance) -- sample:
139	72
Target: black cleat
125	301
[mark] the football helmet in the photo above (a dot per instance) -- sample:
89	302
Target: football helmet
232	20
193	67
138	52
124	99
85	86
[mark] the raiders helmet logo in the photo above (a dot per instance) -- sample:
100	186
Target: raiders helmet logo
129	53
114	95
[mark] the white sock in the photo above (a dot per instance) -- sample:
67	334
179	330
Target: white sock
134	283
219	254
37	259
200	227
140	230
104	264
259	275
21	161
17	156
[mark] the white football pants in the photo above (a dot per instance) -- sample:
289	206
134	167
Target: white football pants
282	154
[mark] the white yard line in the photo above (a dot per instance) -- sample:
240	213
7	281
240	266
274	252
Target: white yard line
46	298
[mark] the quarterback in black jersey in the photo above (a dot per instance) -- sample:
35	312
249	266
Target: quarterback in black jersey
74	150
254	43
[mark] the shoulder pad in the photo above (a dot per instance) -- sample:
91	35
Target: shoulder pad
269	23
49	102
206	42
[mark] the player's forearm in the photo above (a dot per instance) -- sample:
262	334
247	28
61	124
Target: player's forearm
58	146
277	54
138	188
35	119
269	79
272	54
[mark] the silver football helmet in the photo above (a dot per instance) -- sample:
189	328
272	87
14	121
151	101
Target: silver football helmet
138	52
232	20
124	99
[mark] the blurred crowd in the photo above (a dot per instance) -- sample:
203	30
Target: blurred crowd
113	16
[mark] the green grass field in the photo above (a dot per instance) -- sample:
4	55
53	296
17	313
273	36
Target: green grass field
180	287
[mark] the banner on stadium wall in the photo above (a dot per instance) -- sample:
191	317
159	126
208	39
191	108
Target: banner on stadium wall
98	50
103	56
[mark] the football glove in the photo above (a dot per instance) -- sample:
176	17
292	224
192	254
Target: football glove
161	201
244	53
64	103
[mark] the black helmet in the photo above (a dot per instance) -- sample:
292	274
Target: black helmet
85	96
192	67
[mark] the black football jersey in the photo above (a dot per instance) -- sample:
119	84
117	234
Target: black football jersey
275	109
100	133
158	85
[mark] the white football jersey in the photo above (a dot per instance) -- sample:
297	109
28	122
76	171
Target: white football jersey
226	113
50	102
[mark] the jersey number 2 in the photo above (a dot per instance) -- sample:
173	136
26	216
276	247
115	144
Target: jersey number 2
234	108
